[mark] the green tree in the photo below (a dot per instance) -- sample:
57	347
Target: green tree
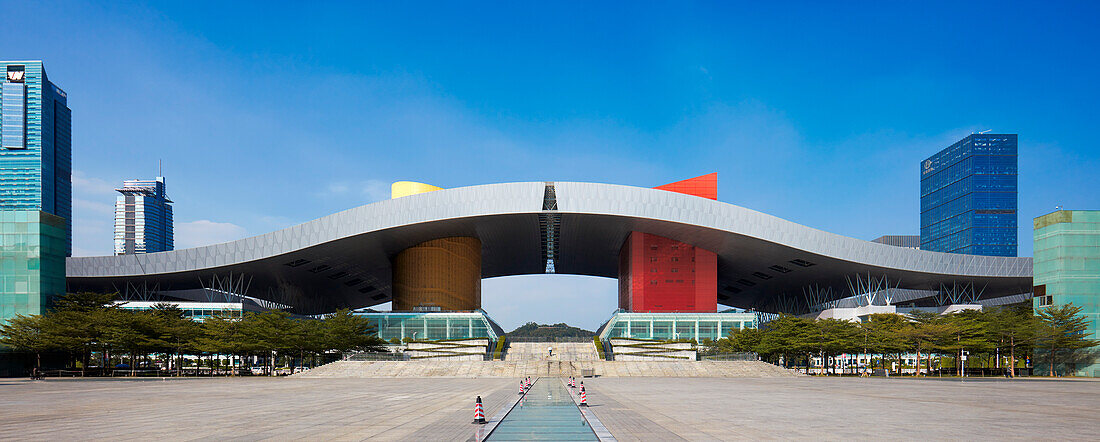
830	337
79	322
884	334
785	336
270	334
741	341
27	334
1063	332
346	332
965	333
922	333
175	333
223	334
1012	327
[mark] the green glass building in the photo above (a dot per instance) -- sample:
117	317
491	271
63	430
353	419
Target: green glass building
35	189
668	326
1067	269
434	326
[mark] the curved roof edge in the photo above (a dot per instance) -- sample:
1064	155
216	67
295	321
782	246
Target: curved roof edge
611	200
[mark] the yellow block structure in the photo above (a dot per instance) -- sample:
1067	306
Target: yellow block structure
406	188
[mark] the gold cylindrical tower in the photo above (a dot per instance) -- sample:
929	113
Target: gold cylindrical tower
443	272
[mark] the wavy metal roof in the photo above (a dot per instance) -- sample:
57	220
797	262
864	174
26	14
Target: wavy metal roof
343	260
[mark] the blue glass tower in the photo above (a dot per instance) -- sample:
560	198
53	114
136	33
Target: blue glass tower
968	197
35	189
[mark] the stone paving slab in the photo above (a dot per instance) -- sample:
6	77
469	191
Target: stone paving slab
247	409
640	408
845	408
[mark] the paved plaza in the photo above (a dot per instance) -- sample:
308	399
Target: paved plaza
631	408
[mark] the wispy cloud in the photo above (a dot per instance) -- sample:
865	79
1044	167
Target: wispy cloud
337	188
369	191
205	232
87	185
376	190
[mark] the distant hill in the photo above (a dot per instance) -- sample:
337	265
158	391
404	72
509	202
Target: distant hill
559	330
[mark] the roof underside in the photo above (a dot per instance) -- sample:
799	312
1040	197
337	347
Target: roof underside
343	260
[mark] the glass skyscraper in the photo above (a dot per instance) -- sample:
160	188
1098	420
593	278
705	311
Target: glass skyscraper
968	197
35	189
1067	271
907	241
143	218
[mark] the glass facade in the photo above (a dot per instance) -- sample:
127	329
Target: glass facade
670	326
968	197
35	188
143	218
196	311
433	326
32	261
1067	268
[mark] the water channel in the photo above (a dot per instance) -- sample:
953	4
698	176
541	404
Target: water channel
546	412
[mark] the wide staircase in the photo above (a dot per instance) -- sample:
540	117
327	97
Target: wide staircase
562	351
534	367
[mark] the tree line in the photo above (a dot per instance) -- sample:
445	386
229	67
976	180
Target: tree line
986	337
83	325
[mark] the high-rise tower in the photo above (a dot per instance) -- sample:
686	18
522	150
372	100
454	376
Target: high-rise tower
143	218
35	189
968	197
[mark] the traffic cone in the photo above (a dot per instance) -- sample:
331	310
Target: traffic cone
572	382
479	414
521	387
584	397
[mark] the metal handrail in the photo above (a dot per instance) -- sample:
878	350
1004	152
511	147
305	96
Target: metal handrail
550	339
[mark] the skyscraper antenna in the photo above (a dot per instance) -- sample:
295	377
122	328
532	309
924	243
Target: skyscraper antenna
160	167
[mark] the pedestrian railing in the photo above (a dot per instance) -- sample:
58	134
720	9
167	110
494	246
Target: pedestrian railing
729	357
550	339
376	357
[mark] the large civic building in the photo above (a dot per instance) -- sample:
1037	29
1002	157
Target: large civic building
968	197
35	189
675	249
143	218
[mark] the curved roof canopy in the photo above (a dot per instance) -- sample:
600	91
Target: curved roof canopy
343	260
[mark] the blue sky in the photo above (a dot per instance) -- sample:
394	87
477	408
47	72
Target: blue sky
269	114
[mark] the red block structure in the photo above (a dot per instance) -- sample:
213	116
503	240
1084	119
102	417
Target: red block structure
658	274
705	186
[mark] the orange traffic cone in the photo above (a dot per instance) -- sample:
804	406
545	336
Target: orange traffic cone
521	387
479	414
584	397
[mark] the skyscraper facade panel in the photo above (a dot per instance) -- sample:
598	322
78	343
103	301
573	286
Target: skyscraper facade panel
969	197
143	218
35	188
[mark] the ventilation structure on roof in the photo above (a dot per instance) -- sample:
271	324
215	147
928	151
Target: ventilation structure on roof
762	275
801	262
297	262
